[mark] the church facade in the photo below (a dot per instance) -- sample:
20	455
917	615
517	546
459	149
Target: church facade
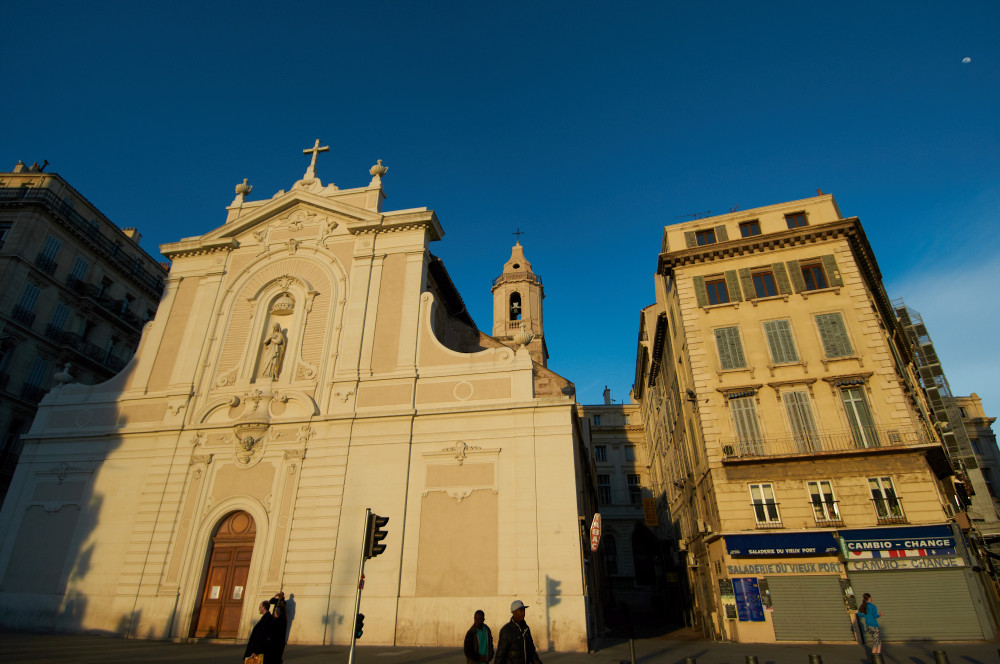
310	358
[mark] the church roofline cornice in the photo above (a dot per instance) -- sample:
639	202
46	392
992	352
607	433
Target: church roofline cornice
198	247
670	260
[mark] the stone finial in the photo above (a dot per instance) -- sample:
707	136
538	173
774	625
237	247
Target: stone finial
242	190
377	171
523	338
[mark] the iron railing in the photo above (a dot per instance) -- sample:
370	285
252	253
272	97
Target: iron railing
822	441
767	514
23	316
826	512
889	510
32	393
45	264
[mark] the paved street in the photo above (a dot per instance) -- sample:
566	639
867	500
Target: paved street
99	649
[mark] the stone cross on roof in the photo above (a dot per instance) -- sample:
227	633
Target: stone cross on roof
315	150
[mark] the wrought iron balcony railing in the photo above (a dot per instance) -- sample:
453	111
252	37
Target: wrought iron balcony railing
767	514
45	264
822	441
889	510
23	316
32	393
826	512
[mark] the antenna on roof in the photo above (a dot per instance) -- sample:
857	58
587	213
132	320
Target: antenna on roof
694	215
734	208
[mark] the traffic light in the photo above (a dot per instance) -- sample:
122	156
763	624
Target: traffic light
375	534
359	625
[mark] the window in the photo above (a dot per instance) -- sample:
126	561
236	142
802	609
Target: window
634	490
51	248
749	228
796	219
59	317
887	506
628	419
610	555
630	452
747	428
975	445
988	478
780	342
833	334
822	501
859	416
961	411
29	296
4	230
604	489
765	508
704	237
515	306
104	288
800	418
763	284
600	452
596	420
813	276
727	339
125	302
80	268
39	370
717	291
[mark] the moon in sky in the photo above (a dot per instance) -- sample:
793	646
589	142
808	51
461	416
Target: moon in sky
966	60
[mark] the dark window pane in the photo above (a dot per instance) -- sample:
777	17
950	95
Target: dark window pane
763	284
749	228
813	277
705	237
797	220
717	293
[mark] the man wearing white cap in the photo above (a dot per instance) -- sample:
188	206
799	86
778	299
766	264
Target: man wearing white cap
515	645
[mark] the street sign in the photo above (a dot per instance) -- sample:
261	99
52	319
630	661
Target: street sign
595	531
649	512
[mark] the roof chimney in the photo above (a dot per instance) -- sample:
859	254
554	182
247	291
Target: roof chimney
607	396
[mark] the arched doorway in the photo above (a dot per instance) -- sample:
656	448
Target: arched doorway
224	585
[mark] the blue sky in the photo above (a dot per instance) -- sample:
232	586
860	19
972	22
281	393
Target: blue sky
588	125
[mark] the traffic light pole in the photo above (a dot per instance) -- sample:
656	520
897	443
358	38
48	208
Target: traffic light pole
361	576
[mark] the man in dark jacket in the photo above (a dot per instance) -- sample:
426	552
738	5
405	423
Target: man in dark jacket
478	640
515	645
279	626
260	637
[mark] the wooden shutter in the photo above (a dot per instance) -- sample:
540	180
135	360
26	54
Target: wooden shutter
832	271
700	293
834	335
689	239
746	280
720	234
781	278
29	296
730	349
779	339
745	418
733	285
800	418
795	273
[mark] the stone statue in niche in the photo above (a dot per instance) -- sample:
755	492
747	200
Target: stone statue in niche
274	353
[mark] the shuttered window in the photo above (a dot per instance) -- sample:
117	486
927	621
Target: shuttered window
29	296
51	249
60	316
800	418
860	417
730	349
747	429
779	340
833	333
38	372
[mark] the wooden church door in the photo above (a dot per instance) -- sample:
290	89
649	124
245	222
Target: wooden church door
225	583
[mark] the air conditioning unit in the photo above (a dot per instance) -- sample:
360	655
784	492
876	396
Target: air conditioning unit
682	544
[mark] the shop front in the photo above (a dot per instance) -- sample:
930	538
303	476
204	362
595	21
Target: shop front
920	580
785	587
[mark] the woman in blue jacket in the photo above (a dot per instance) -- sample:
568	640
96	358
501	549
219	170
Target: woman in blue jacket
870	613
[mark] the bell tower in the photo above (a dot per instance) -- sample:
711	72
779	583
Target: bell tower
517	306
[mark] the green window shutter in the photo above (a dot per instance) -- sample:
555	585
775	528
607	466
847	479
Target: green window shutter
699	291
781	278
746	280
730	349
834	335
779	339
720	234
733	285
832	271
689	238
795	272
747	429
801	419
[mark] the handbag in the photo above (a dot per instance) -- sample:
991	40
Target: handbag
254	659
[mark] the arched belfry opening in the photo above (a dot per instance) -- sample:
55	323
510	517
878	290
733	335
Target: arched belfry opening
223	586
515	306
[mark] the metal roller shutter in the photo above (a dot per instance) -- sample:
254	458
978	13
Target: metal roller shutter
809	608
921	605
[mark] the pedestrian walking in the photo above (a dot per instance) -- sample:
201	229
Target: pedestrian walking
515	645
478	640
260	636
869	612
279	626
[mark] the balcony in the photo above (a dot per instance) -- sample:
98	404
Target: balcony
32	393
826	512
766	513
889	510
518	276
23	316
45	264
823	442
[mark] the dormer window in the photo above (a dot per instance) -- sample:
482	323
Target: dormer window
515	306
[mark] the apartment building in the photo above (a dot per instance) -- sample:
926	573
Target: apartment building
77	292
789	431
